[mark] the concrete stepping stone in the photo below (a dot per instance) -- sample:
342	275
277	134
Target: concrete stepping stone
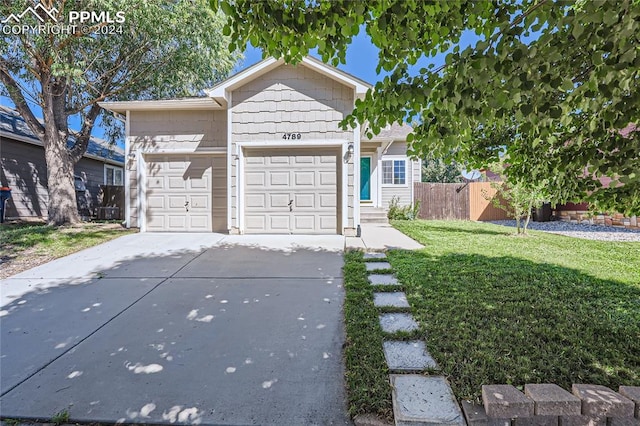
372	266
383	279
392	323
409	356
420	400
375	255
396	299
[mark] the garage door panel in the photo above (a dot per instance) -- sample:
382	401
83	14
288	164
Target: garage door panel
200	222
177	202
278	201
279	222
199	202
255	179
328	222
279	178
155	182
307	177
327	178
305	223
155	202
176	221
328	200
256	200
304	200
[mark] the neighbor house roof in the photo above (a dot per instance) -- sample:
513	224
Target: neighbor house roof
394	132
13	126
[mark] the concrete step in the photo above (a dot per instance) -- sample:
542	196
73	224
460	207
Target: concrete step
373	215
424	401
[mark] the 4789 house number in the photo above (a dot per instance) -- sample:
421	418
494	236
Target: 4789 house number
291	136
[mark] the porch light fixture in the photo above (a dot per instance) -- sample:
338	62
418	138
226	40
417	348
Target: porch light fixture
350	149
132	155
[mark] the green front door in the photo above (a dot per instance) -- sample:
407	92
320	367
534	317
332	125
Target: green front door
365	178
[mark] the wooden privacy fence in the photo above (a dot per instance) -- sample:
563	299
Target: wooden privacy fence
457	201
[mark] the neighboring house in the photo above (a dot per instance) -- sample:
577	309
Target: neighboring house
24	170
262	153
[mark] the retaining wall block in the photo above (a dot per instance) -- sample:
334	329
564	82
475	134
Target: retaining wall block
552	400
582	421
505	401
600	401
633	393
536	421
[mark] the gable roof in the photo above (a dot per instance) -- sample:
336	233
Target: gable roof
394	132
13	126
220	92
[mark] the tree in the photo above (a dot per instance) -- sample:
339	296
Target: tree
518	197
440	170
121	50
560	76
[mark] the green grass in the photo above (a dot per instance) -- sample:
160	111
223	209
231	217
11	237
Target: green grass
498	308
21	240
366	369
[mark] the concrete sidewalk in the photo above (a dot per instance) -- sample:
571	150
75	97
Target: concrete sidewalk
381	236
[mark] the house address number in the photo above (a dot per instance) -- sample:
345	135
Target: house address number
291	136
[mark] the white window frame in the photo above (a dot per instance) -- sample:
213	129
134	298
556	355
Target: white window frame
407	171
109	166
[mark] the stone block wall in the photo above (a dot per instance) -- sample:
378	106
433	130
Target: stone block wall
550	405
586	217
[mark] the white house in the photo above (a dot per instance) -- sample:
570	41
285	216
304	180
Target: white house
262	153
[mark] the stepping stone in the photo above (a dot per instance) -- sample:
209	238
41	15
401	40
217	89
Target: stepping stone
407	356
419	400
397	299
392	323
372	266
383	279
375	255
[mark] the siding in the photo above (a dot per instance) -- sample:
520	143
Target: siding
152	131
291	99
24	170
404	193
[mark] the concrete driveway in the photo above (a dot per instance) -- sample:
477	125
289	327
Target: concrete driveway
179	328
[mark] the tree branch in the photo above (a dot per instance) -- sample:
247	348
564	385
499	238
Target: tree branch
18	99
82	138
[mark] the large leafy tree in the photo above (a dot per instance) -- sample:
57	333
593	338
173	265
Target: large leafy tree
164	48
560	77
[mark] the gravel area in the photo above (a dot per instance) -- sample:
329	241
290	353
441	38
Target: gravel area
585	231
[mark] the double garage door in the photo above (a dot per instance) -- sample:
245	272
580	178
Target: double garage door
286	191
291	191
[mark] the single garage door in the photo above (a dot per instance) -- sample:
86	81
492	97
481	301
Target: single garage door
179	193
291	191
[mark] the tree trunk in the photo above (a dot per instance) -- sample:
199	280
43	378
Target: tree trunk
62	206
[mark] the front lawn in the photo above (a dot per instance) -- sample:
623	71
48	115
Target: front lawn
26	245
498	308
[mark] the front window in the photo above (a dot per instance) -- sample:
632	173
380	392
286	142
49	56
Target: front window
394	172
113	176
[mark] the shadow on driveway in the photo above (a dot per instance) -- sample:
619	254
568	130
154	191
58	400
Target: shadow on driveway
236	332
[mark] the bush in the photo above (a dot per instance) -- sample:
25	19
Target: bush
397	212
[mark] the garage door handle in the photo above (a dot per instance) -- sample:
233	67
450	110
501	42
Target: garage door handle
290	205
186	205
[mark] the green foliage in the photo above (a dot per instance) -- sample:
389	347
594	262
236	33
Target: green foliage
366	373
60	417
560	78
544	309
517	196
402	212
441	170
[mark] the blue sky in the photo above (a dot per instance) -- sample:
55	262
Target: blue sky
361	61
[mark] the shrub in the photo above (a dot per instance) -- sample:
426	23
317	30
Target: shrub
398	212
